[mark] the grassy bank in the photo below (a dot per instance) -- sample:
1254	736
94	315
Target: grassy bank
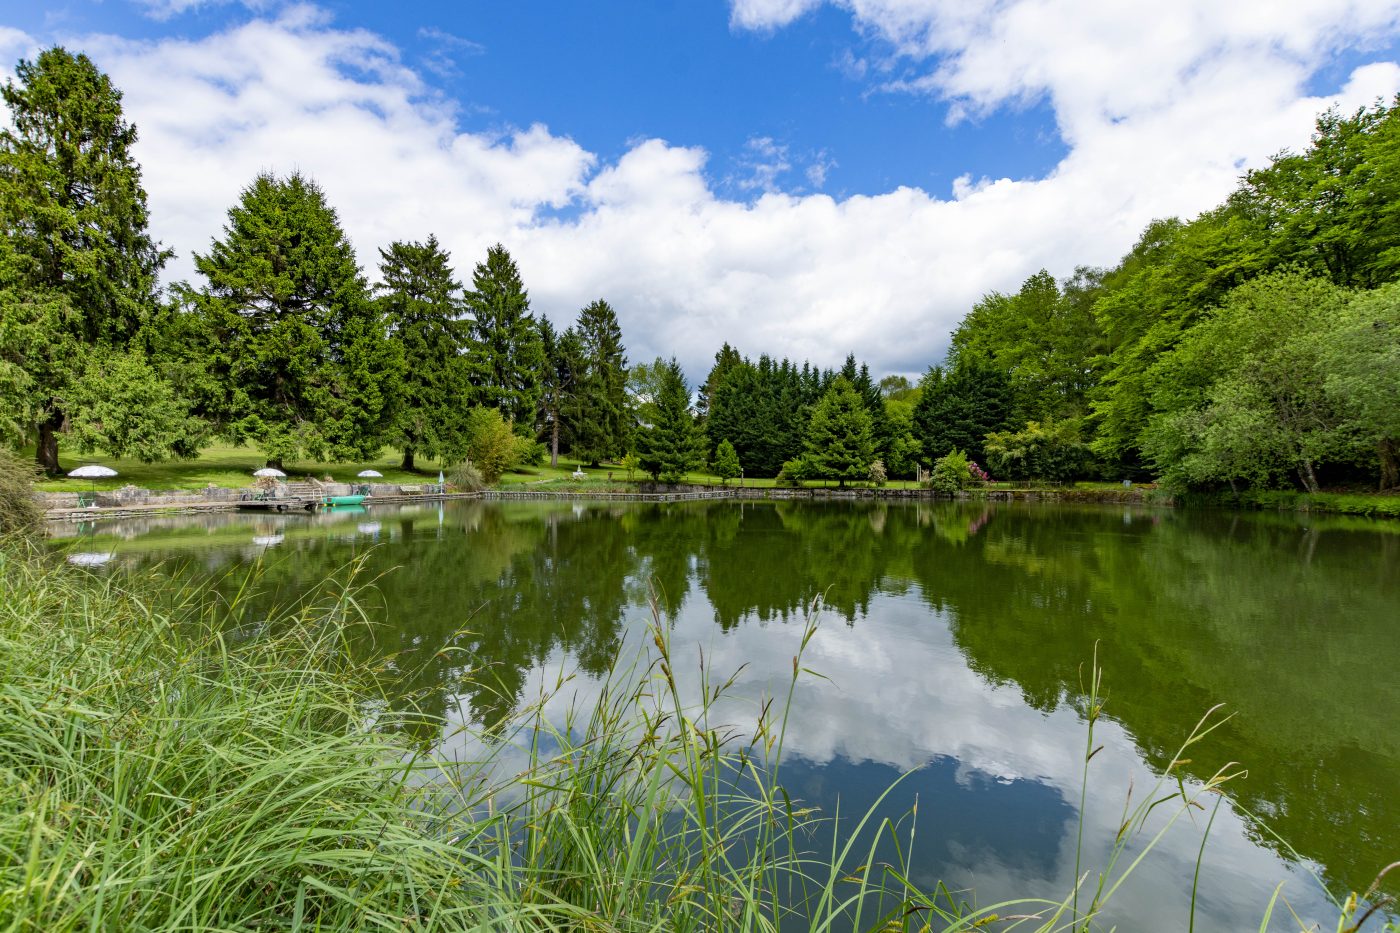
1368	505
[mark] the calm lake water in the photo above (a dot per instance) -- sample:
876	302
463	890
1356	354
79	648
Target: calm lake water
951	646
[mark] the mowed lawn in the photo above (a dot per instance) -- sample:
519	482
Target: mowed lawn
229	466
225	465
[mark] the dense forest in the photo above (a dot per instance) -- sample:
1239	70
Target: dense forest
1256	345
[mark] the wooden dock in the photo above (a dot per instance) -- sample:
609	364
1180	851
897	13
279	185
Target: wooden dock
289	504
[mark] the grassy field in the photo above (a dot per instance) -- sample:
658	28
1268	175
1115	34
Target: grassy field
229	466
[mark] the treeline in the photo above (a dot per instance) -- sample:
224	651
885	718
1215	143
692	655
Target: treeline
1256	345
287	345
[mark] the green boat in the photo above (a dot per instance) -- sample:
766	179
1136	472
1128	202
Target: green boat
333	501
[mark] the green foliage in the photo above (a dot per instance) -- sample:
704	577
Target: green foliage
601	421
839	442
762	409
1242	397
905	451
78	265
1045	339
422	306
957	408
631	463
508	354
296	351
951	472
529	453
725	359
492	446
726	463
794	472
1359	356
20	512
671	446
121	405
1051	452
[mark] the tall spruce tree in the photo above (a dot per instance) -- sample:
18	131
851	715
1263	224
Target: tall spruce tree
602	427
508	353
671	447
839	441
294	339
79	266
422	305
725	360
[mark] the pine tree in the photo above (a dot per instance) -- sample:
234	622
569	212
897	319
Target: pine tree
602	427
507	350
79	266
839	445
671	447
726	465
293	336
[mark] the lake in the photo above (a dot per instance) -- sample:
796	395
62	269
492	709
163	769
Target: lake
952	647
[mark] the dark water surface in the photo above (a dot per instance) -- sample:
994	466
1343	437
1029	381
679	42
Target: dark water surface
952	645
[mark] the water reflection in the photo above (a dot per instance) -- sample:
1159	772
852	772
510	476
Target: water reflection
953	645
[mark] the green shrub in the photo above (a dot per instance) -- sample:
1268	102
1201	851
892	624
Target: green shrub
951	473
530	453
794	472
491	444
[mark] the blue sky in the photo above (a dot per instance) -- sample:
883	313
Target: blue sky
797	177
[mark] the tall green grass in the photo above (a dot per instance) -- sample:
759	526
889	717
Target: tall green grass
169	762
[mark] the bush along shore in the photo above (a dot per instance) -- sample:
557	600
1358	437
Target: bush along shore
170	762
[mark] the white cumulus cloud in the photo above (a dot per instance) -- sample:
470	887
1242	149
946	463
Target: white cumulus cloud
1160	107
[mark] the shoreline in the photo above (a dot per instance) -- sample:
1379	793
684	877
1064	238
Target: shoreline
134	502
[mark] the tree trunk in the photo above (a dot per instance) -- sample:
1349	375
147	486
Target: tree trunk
1308	476
46	453
1389	450
407	465
275	462
554	441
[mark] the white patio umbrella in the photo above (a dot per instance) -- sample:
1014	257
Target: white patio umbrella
369	473
94	472
268	471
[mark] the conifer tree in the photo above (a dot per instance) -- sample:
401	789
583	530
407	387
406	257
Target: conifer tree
294	340
602	426
422	305
78	267
839	444
508	352
671	447
726	465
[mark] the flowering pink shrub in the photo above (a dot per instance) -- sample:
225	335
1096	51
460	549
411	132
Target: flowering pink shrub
979	475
